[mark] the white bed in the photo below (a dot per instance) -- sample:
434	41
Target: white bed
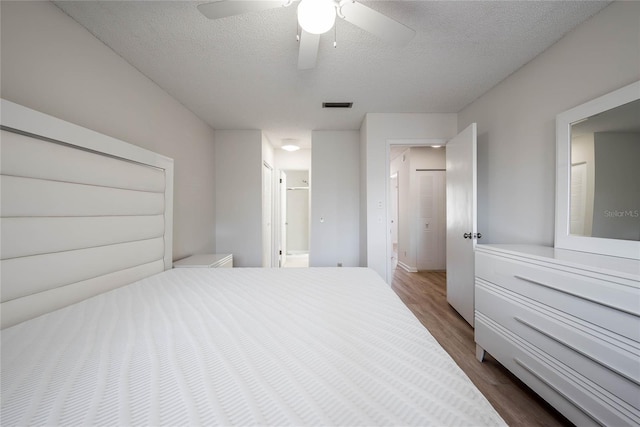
236	347
115	340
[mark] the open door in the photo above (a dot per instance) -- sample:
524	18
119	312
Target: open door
283	220
462	230
267	216
393	226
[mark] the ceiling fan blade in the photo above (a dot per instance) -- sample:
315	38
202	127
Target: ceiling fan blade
377	24
308	52
223	8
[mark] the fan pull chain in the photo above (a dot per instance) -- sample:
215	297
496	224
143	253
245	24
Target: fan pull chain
297	31
335	35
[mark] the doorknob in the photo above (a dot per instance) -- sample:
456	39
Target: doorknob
472	235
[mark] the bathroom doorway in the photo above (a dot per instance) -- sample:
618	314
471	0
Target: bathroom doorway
296	224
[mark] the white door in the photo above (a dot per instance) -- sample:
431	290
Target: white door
578	200
283	219
431	220
393	191
461	221
267	205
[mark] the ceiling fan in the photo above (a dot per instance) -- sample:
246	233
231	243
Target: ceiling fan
317	17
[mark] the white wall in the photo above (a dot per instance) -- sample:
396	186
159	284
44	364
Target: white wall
293	160
516	121
268	152
428	158
53	65
297	178
335	197
376	130
238	189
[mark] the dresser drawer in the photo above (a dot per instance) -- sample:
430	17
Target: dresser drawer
588	349
614	306
579	398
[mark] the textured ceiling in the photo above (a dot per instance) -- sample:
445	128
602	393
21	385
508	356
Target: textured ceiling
241	72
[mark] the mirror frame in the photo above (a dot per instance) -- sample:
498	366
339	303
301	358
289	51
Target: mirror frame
564	240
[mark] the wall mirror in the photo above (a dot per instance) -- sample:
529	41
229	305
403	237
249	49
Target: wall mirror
598	175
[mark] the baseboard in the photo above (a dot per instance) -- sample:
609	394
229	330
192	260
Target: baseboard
406	268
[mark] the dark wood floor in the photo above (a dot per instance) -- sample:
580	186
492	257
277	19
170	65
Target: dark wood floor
425	295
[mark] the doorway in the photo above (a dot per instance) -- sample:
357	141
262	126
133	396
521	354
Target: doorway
296	222
461	216
417	207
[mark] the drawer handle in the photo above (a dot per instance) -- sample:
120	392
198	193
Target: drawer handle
571	347
557	390
564	291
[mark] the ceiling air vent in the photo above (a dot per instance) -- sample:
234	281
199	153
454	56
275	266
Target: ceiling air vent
337	104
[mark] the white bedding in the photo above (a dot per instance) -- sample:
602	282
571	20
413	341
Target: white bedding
331	346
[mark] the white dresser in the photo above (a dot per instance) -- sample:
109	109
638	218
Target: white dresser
567	324
205	261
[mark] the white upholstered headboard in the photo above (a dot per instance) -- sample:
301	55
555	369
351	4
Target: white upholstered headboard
80	213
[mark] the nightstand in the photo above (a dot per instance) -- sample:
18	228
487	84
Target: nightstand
205	261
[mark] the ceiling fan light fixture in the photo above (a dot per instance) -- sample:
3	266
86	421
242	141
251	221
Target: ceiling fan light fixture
316	16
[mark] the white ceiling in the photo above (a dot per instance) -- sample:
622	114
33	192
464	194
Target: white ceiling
241	72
